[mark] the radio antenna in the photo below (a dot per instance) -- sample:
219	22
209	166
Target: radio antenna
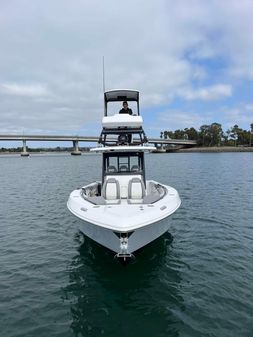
103	73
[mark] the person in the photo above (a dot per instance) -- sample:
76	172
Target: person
125	109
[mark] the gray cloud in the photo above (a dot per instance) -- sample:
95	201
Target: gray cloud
51	56
211	93
32	90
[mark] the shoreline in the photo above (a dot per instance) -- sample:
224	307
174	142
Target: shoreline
213	149
216	149
41	153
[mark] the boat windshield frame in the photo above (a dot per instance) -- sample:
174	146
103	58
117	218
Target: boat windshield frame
126	159
121	96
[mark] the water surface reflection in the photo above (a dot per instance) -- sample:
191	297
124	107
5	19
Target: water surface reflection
109	298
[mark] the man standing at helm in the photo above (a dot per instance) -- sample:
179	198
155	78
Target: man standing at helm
125	109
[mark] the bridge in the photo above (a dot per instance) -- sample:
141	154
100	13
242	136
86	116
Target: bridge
90	139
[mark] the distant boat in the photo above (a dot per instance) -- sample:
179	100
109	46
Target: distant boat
123	211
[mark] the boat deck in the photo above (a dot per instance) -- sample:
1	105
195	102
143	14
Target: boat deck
118	217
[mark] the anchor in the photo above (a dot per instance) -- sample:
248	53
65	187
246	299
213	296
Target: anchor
123	254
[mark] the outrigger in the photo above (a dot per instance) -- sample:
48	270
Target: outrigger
123	211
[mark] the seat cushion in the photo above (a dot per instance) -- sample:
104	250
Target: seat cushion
136	189
111	189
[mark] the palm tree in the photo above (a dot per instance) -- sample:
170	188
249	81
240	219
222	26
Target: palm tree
234	133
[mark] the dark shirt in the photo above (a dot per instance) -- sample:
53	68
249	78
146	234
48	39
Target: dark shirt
126	111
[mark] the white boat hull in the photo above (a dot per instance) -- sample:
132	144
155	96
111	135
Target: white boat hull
138	239
140	224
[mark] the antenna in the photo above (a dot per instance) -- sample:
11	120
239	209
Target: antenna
103	73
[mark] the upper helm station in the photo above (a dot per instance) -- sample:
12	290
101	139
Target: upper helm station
123	139
122	128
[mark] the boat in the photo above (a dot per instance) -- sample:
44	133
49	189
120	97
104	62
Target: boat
123	212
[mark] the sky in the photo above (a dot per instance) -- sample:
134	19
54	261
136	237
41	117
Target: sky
191	60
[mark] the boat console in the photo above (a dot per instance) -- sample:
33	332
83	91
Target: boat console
123	178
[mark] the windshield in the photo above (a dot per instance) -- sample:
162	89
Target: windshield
124	163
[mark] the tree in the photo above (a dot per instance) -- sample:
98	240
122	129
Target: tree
179	134
191	133
226	136
204	137
165	134
213	135
215	132
234	133
170	134
251	131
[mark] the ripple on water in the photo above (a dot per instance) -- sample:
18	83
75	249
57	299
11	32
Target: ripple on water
196	281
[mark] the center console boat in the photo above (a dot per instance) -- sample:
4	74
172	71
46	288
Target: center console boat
124	211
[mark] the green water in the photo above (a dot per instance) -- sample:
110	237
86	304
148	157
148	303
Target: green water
196	280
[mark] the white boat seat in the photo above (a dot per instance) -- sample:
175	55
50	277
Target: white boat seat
136	190
111	190
111	169
135	168
122	121
123	168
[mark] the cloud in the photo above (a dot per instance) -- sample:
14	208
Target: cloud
51	57
237	115
249	107
211	93
178	119
33	90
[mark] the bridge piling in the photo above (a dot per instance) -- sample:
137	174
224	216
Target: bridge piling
76	151
24	152
159	148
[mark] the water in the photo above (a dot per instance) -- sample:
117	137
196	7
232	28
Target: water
196	280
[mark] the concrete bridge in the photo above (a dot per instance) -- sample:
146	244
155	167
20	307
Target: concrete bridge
90	139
